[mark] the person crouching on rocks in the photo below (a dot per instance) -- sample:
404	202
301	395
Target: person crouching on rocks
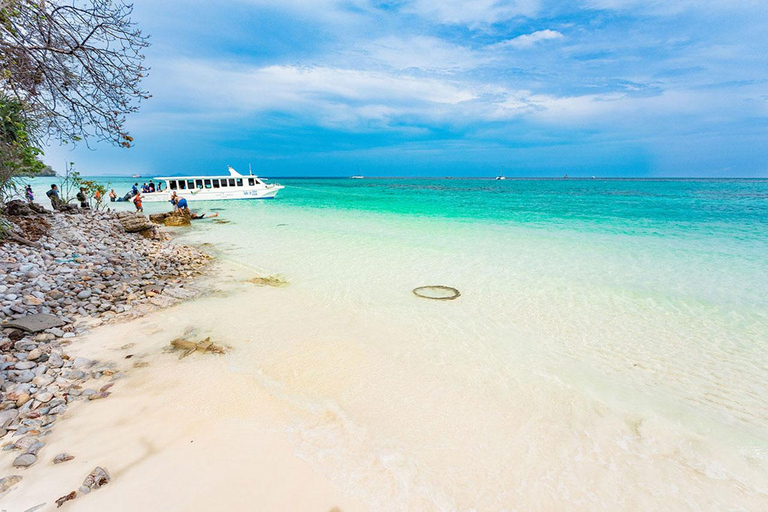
83	199
174	201
137	203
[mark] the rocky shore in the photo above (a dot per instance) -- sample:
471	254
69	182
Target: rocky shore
61	275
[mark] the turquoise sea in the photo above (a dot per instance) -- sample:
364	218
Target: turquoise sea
609	349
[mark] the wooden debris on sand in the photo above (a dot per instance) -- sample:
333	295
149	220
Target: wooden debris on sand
188	347
274	281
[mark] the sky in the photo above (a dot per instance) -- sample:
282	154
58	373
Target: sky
447	88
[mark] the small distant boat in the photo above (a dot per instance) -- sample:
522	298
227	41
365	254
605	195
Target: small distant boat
501	175
135	175
214	188
357	177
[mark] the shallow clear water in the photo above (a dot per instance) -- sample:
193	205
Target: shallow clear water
609	349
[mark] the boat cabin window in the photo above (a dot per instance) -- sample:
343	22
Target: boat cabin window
207	183
231	182
199	183
215	183
190	184
239	182
223	183
172	184
250	182
182	184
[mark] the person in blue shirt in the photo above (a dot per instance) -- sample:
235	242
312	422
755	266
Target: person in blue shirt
135	189
181	204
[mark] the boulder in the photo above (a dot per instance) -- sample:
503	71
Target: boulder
159	218
177	220
18	208
135	223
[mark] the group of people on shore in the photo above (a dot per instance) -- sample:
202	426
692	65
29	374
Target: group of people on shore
179	203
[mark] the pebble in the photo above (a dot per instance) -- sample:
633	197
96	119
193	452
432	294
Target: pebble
44	397
62	457
8	482
88	271
24	461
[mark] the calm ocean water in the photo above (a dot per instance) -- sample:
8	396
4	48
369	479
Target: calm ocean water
609	349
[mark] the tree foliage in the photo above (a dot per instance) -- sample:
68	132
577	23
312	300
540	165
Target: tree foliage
18	155
75	65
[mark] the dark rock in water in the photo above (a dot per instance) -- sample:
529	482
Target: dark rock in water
159	218
217	209
36	323
177	220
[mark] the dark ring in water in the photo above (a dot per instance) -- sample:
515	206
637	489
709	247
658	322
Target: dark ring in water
454	293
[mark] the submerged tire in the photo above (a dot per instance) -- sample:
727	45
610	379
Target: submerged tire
437	292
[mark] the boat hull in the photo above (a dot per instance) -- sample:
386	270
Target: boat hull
213	195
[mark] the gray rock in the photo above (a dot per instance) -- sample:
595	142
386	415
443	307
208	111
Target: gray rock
96	479
24	377
55	360
36	447
63	457
24	461
7	416
84	294
8	482
58	409
36	323
44	397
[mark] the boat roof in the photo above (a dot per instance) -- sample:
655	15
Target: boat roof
232	174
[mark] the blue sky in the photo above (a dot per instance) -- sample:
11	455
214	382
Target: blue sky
448	87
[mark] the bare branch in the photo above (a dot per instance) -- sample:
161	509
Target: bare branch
76	64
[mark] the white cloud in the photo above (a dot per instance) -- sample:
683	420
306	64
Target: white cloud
332	97
528	40
419	52
474	13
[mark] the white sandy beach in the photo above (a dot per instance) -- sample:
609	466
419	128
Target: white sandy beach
175	435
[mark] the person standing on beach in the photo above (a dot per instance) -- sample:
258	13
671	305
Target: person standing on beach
83	199
137	202
112	195
53	195
30	195
135	189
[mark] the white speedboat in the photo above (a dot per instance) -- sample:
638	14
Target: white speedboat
214	188
357	177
